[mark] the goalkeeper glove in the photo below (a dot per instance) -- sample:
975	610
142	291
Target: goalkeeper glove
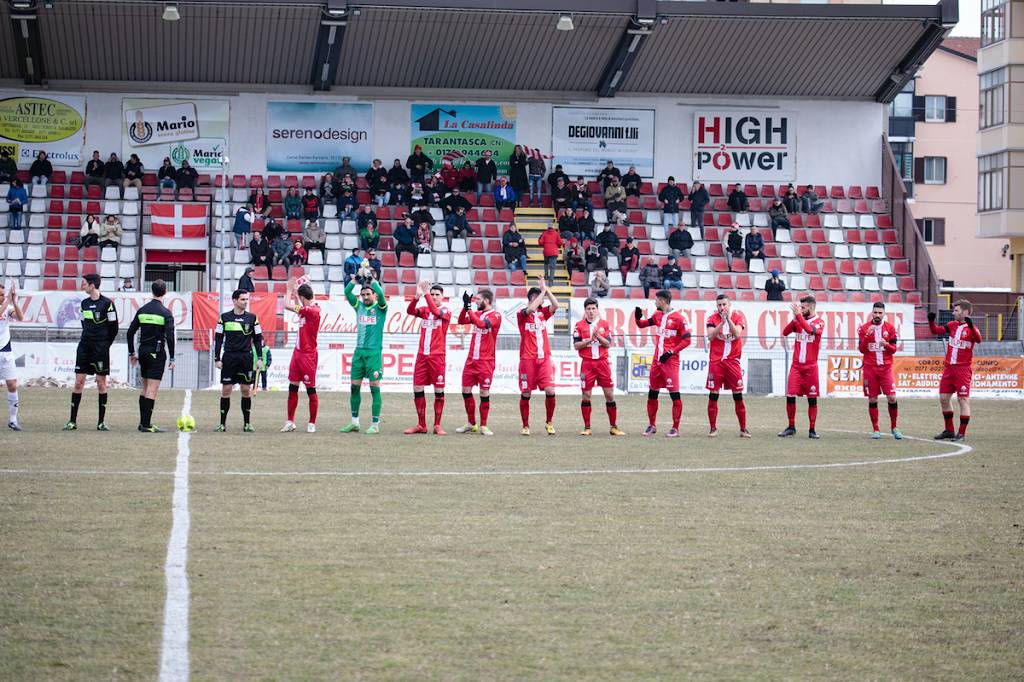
931	317
664	357
466	299
969	322
638	314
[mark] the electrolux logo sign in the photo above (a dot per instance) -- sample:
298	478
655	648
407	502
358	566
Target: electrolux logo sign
162	124
748	145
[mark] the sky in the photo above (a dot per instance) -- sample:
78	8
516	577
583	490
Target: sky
970	15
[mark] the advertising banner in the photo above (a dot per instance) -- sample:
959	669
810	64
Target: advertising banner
56	361
312	137
744	146
693	371
919	376
584	139
54	124
206	310
62	309
463	132
193	130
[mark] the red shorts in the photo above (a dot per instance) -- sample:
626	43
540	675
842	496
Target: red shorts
478	373
665	374
878	380
429	371
595	372
725	374
302	369
803	380
956	379
535	374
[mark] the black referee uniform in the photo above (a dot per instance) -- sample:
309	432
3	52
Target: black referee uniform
237	335
99	329
156	342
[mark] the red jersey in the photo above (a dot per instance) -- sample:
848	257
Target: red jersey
309	327
433	327
484	330
533	333
594	351
877	342
671	334
725	346
962	339
808	339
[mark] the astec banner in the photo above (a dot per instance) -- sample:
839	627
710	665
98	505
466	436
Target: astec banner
193	130
744	146
312	137
584	139
54	124
463	132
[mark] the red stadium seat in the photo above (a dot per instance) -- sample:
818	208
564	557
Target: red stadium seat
901	267
499	278
861	206
720	265
837	192
810	267
884	222
847	267
844	206
907	283
818	236
799	236
715	190
894	252
835	284
720	205
855	192
407	260
829	267
816	284
478	262
865	267
813	220
481	278
518	279
768	192
742	281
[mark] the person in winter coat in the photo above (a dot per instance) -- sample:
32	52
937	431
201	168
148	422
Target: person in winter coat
348	205
517	171
405	239
186	178
8	167
580	194
595	260
377	176
632	181
553	176
629	258
650	277
670	197
397	174
282	248
113	172
345	168
310	205
615	201
260	203
586	228
111	232
351	265
41	169
561	197
330	190
809	202
680	242
699	200
243	224
449	175
738	201
314	237
608	242
513	245
369	235
607	173
453	201
95	171
293	204
17	200
504	195
567	225
299	255
774	287
424	237
467	178
779	216
166	176
419	164
791	201
671	274
90	233
245	281
133	173
551	243
575	258
753	245
457	226
599	285
486	173
733	244
535	169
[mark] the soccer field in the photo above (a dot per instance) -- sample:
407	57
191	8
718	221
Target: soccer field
329	556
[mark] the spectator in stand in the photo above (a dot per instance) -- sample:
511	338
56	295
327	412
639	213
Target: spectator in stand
575	258
738	201
405	239
90	232
330	190
345	168
567	225
517	171
467	178
680	242
779	216
375	265
377	176
113	172
456	226
381	193
733	244
397	175
536	168
299	255
699	200
504	195
41	169
615	201
607	173
753	245
561	197
133	173
580	194
243	224
486	173
417	196
271	230
260	203
774	287
419	164
514	247
791	201
551	243
670	197
554	175
310	205
292	204
127	286
314	237
454	201
809	202
369	236
95	171
629	258
166	176
424	237
650	277
344	181
422	215
245	281
599	285
596	262
399	195
111	232
608	241
348	205
282	248
351	266
631	181
449	175
672	274
186	177
586	228
8	167
434	190
17	200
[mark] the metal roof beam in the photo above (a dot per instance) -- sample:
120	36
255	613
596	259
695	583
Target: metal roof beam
329	39
27	42
632	40
936	32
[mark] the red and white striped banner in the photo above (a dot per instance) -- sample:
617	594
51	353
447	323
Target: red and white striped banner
179	221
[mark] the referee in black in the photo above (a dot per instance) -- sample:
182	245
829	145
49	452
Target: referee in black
99	329
156	346
238	333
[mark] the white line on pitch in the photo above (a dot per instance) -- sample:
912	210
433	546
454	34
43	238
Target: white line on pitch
174	665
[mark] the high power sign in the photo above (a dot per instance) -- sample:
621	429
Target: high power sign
744	145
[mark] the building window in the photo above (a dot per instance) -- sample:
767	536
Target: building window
993	21
992	98
903	105
935	170
933	230
904	153
928	230
991	181
935	108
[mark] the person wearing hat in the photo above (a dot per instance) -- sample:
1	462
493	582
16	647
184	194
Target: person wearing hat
245	281
672	274
733	244
774	286
629	258
419	164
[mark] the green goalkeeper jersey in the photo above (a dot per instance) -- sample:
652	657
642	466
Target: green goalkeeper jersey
369	319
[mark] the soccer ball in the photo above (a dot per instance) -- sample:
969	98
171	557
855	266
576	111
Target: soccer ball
186	422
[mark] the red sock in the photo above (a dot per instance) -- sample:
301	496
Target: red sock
963	425
524	411
713	414
741	413
438	409
652	410
873	413
485	409
470	403
894	413
677	413
812	416
791	414
293	402
948	419
314	406
613	413
421	408
549	408
585	408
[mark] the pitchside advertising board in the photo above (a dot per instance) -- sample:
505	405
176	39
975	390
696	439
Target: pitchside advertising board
584	139
54	124
744	145
193	130
312	137
463	132
919	376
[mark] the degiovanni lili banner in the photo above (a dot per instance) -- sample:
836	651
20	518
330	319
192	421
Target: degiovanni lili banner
744	146
584	139
313	136
463	132
193	130
54	124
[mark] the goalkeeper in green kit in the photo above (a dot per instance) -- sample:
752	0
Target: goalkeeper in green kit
371	311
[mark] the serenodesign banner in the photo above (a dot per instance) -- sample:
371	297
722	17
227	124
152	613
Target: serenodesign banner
312	137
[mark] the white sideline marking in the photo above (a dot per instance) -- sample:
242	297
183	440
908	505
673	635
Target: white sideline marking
174	666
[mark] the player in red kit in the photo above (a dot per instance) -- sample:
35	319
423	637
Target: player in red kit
305	356
876	339
485	322
725	341
591	338
671	335
956	373
803	373
430	357
535	369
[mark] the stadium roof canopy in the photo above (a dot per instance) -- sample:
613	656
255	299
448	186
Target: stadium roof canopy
472	49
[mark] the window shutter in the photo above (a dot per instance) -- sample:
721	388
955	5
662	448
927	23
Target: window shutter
919	170
945	169
918	108
950	109
938	231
